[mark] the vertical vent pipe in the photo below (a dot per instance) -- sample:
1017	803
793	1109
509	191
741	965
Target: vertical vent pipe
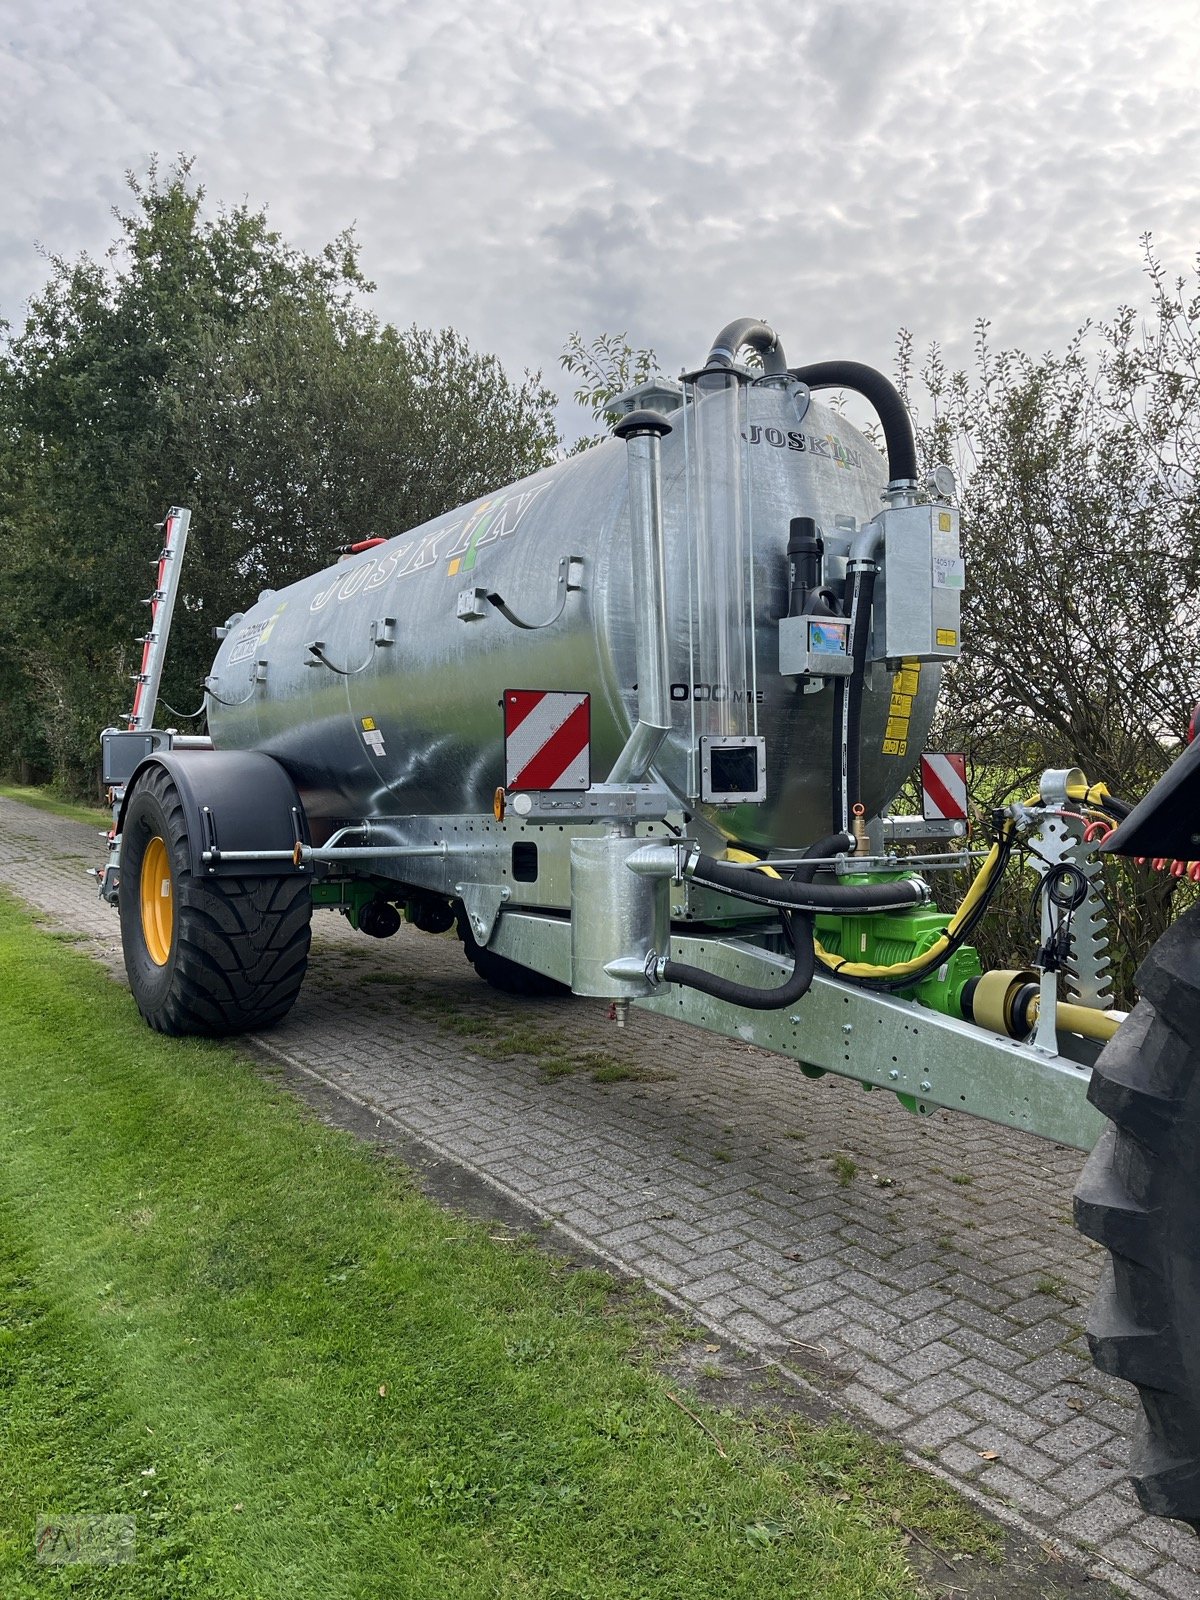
642	431
721	567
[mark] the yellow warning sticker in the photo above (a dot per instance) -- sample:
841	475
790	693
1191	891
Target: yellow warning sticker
906	683
945	522
904	687
368	724
947	636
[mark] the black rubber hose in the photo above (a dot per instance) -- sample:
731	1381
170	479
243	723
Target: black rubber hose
799	930
834	844
1119	809
883	396
864	594
748	331
846	762
793	895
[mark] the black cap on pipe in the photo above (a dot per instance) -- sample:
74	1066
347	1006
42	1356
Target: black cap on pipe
642	422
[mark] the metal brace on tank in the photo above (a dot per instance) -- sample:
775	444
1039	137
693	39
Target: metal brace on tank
382	633
473	603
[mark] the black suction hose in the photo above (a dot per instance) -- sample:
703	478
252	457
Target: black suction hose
756	335
799	929
883	395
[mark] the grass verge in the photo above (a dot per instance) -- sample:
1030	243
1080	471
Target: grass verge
302	1378
44	800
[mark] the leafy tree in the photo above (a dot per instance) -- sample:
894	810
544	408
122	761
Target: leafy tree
1081	520
207	362
603	369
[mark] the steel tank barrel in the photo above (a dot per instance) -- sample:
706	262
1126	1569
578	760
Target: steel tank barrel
377	682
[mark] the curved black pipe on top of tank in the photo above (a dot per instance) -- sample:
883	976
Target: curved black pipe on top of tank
883	396
748	332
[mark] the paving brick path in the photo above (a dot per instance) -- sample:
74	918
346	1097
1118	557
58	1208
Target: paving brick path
922	1273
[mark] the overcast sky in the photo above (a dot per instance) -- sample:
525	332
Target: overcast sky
518	169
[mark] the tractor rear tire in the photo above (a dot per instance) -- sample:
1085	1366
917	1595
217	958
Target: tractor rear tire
1139	1195
204	956
508	976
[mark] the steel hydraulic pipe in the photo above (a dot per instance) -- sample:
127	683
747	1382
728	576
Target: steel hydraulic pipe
301	855
368	852
642	431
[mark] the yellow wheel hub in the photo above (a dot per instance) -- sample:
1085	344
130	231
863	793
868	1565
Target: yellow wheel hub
158	905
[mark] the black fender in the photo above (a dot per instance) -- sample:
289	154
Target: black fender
1167	822
233	800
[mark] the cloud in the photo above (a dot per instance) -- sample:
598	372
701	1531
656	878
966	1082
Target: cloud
519	171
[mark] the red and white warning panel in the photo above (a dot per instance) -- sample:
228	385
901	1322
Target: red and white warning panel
547	739
943	788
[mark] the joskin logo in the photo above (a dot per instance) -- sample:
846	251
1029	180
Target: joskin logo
825	446
489	521
474	532
498	518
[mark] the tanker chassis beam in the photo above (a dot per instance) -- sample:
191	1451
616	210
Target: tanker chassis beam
929	1060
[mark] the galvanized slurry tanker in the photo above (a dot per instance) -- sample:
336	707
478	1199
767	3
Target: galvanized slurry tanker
633	726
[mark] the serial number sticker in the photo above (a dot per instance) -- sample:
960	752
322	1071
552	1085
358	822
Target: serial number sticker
949	572
947	636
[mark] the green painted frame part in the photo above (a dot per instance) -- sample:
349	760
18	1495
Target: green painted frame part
347	895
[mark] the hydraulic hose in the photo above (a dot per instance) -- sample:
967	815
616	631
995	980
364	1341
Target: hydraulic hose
883	396
799	930
904	974
1097	796
798	895
748	331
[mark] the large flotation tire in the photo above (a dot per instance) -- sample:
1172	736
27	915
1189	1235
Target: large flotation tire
1139	1195
214	956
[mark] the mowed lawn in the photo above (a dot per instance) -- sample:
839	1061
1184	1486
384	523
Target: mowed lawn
305	1380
